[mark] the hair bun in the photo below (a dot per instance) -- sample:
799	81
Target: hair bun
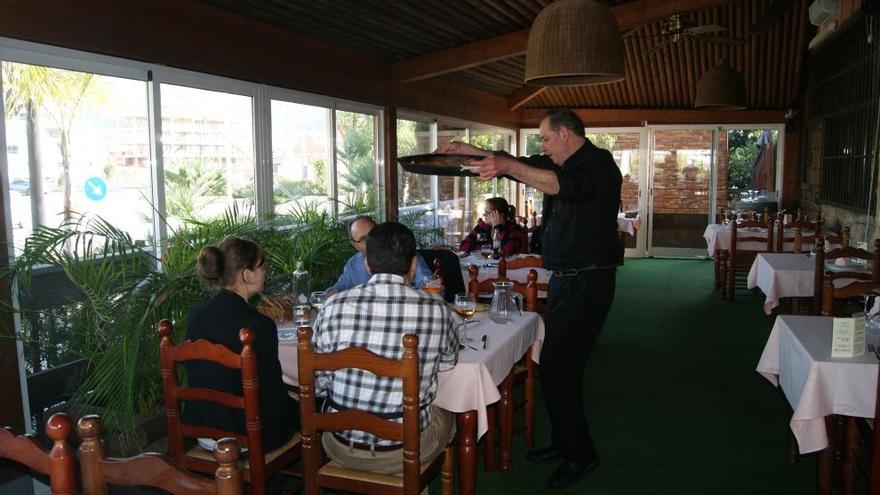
209	266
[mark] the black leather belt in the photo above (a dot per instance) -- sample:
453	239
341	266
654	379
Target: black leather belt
366	446
573	272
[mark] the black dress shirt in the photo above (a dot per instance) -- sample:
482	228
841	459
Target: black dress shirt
219	320
580	222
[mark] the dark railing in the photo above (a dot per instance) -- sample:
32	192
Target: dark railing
843	94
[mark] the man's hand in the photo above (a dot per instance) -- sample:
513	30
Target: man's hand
496	166
461	149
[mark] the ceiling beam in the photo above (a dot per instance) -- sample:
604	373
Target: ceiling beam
628	15
460	57
522	96
531	117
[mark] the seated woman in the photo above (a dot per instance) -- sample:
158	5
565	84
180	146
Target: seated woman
236	266
496	218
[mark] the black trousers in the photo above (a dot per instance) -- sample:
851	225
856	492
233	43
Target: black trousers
577	307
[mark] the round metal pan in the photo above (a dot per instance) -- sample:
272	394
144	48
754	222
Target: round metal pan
440	164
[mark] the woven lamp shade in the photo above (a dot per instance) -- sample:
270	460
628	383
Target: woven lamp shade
721	88
572	43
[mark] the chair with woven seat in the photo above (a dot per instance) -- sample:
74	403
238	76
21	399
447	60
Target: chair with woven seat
740	257
333	475
259	465
152	469
524	372
57	463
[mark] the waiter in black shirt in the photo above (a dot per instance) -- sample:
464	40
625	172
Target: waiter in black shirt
581	186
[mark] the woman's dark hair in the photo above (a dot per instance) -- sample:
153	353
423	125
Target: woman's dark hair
219	264
501	206
390	248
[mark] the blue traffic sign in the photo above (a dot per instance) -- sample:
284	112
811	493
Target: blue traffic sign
95	188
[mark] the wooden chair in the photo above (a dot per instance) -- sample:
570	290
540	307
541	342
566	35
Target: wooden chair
804	233
849	291
446	264
524	372
338	478
152	469
820	274
57	463
740	258
259	465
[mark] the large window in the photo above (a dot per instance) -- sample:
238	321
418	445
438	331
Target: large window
356	171
77	144
301	156
208	151
415	191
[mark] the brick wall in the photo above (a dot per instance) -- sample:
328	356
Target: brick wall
682	178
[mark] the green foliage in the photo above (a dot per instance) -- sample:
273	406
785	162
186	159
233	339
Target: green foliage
604	140
426	235
126	290
189	184
357	168
742	150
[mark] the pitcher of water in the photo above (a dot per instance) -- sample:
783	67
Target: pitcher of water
506	304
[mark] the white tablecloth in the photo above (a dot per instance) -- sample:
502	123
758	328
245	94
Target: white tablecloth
718	237
473	383
781	275
628	225
797	358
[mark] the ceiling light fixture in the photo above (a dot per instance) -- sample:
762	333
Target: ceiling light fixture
721	88
572	43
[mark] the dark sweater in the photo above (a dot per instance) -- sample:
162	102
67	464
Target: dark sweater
219	320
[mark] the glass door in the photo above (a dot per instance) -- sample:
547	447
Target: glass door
628	149
681	192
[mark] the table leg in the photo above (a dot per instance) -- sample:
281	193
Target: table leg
505	410
850	455
824	471
490	442
467	452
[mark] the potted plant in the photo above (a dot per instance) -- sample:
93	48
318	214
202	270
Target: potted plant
126	289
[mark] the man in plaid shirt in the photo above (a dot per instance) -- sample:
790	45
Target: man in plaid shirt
375	316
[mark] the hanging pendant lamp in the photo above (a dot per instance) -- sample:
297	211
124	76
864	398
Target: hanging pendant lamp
574	42
721	88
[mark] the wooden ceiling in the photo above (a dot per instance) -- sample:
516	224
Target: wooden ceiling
481	44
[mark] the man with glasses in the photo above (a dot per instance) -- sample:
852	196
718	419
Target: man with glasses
355	271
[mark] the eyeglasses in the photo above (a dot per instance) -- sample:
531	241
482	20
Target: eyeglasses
358	241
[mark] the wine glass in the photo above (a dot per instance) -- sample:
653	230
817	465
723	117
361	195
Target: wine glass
486	251
317	299
465	305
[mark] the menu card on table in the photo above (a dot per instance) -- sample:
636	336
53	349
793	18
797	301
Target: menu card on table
848	336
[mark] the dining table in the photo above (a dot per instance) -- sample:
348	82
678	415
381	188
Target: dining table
797	359
784	275
470	386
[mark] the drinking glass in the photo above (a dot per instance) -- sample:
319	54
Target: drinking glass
302	314
486	251
317	299
465	305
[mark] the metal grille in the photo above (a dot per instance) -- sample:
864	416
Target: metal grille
844	91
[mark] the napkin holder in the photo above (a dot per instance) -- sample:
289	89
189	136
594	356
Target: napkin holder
848	336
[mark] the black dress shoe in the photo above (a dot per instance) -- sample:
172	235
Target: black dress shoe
550	455
569	472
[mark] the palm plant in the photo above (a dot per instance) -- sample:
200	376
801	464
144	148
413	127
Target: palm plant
126	290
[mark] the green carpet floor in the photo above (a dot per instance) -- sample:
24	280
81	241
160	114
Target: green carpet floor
673	399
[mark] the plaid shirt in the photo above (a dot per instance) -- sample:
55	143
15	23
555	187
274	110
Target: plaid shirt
375	316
